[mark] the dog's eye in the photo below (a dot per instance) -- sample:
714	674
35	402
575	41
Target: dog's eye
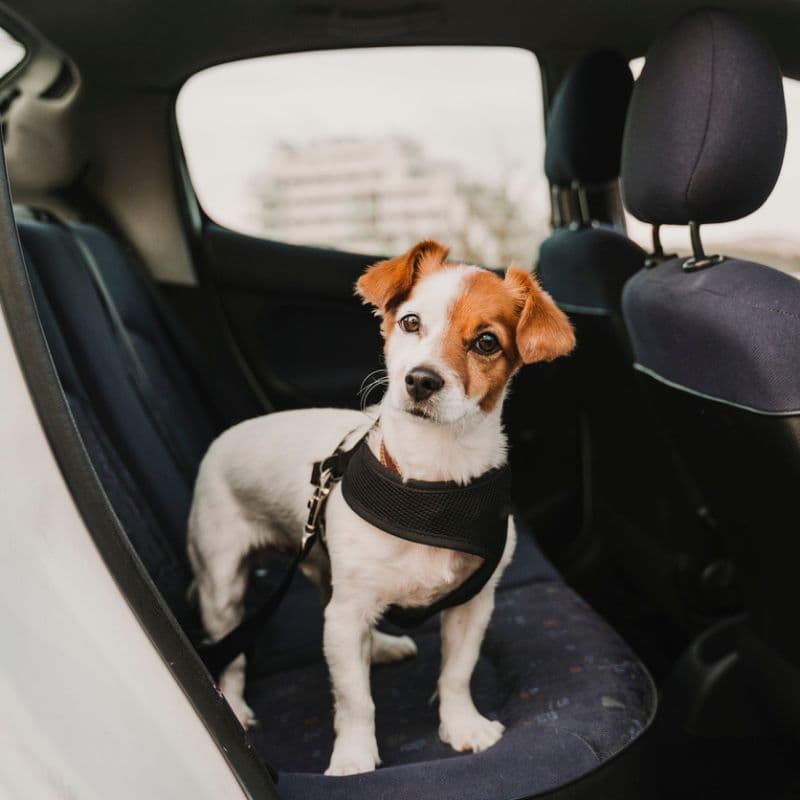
410	323
486	344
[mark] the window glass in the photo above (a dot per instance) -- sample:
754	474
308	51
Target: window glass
371	150
11	52
769	235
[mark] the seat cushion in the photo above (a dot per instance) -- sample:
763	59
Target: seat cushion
569	691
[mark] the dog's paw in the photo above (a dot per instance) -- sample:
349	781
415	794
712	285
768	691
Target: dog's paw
387	648
351	758
245	714
470	733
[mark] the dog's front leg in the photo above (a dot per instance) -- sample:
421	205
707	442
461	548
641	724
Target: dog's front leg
348	644
463	627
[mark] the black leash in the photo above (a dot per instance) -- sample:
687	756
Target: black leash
325	474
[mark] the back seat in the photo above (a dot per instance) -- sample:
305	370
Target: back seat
571	693
167	568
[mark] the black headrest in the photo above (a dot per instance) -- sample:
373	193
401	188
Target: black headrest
706	128
586	121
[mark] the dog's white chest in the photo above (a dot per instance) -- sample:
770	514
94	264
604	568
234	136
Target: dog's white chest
424	574
391	569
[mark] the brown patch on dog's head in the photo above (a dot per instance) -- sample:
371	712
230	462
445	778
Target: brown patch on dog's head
388	283
526	322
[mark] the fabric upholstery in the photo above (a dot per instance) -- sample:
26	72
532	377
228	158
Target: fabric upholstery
166	567
569	691
190	418
586	121
706	130
584	269
729	331
100	363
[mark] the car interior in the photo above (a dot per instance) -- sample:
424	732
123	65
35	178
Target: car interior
643	642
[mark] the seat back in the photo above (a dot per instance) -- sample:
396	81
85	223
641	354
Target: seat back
636	505
148	479
716	338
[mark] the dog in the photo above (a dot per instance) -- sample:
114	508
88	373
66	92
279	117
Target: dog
453	336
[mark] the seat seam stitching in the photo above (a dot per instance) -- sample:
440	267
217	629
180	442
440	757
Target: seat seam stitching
732	299
708	120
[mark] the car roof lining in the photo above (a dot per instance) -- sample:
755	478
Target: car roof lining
153	44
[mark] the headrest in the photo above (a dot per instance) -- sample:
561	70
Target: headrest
586	121
706	128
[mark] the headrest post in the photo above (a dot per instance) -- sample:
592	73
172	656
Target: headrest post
657	256
697	243
699	259
585	216
555	203
658	250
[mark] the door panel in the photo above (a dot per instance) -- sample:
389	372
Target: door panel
292	311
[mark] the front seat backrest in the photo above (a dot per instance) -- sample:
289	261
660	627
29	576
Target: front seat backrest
634	502
717	337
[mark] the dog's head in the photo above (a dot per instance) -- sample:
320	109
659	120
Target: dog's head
455	334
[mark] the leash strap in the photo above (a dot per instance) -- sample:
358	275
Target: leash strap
324	475
217	655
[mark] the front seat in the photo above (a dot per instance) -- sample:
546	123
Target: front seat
636	507
717	338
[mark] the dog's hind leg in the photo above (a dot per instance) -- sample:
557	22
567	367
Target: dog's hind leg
387	648
219	544
221	591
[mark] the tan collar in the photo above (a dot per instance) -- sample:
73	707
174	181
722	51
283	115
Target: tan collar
386	459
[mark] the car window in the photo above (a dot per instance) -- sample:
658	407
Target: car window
371	150
769	235
11	52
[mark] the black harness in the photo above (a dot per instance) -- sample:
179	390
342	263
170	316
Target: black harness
471	518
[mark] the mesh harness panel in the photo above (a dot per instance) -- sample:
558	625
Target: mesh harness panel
471	518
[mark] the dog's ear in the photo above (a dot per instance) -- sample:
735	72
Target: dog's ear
386	284
544	331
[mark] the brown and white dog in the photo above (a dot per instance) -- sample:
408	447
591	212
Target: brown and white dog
454	335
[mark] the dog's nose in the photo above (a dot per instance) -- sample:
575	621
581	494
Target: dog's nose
422	382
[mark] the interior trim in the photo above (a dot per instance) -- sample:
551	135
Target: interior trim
672	384
573	308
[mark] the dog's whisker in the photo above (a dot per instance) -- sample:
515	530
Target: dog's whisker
374	372
370	386
365	391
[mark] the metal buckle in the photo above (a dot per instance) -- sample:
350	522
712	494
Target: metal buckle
316	503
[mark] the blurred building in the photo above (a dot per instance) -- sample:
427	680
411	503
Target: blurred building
363	195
